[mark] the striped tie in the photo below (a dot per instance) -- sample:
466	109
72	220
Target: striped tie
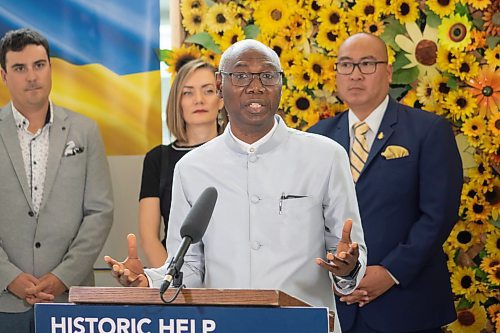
359	150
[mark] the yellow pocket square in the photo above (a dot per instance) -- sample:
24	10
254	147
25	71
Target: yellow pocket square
392	152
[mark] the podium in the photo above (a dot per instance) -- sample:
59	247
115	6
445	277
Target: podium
140	310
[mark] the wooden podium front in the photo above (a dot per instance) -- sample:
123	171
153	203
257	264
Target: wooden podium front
141	310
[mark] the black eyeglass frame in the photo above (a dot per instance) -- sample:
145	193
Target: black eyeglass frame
231	75
357	64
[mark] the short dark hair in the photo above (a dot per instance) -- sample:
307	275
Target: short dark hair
17	40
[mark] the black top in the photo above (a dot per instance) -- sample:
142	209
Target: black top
158	168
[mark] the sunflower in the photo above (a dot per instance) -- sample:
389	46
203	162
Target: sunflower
492	245
410	99
485	87
465	67
424	90
193	22
220	17
231	36
478	40
300	103
491	21
211	57
454	32
330	37
471	320
367	9
478	4
405	10
494	124
318	65
474	128
421	48
478	209
492	56
444	58
181	56
300	77
187	6
494	311
440	88
290	57
461	237
442	7
490	264
273	16
293	120
297	31
374	27
332	16
463	281
461	103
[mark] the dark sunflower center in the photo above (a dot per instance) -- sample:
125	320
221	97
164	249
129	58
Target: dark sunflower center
334	18
405	9
306	77
220	18
474	127
466	318
278	50
466	282
444	3
462	102
302	103
450	56
464	237
498	244
487	91
457	32
295	119
234	39
464	68
471	194
197	20
315	6
317	68
443	88
276	15
494	263
331	36
426	52
195	4
373	28
477	208
481	168
428	92
497	124
369	10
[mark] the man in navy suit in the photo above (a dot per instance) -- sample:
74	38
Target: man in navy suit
408	176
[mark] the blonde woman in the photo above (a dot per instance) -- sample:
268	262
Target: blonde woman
192	111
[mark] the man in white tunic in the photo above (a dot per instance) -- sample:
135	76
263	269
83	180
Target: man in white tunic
283	196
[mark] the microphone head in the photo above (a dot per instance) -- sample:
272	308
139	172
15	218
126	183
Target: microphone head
196	221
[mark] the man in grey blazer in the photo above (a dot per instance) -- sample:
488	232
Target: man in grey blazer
56	205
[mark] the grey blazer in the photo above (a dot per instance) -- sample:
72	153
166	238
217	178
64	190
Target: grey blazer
75	215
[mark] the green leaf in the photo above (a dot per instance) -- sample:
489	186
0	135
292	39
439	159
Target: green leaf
405	76
433	19
481	275
492	41
478	23
496	222
210	3
452	83
400	62
392	29
397	92
464	304
462	9
251	31
204	39
163	54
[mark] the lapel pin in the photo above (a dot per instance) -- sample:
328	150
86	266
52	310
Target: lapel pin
380	136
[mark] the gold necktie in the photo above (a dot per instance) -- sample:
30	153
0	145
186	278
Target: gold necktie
359	149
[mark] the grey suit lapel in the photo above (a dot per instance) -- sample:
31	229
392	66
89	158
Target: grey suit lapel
8	134
57	141
390	118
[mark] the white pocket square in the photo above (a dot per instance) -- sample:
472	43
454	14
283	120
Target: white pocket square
72	149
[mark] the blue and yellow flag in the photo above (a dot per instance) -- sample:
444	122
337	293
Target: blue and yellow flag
103	63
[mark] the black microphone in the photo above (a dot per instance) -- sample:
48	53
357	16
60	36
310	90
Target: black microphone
192	230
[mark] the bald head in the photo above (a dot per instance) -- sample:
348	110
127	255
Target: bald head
374	44
244	46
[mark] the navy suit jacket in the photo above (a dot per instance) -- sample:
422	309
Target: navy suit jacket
408	207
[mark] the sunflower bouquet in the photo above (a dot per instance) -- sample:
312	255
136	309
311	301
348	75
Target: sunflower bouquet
445	56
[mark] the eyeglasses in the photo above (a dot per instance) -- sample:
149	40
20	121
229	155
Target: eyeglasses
365	67
243	79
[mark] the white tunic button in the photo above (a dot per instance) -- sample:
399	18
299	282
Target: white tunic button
254	199
256	245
